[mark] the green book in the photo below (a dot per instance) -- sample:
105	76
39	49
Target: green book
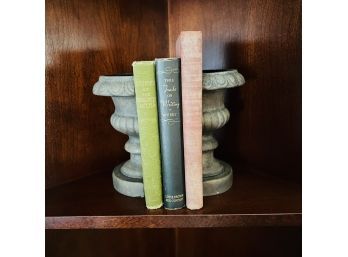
146	101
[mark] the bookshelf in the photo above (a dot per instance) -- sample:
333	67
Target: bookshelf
254	200
262	140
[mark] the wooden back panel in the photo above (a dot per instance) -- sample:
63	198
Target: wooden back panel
262	39
207	242
86	39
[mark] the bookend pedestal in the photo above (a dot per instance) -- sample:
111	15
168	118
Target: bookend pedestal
127	176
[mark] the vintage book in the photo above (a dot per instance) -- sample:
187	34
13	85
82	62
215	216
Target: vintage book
189	49
170	126
146	101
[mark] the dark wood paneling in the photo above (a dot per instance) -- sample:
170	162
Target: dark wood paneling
239	242
104	243
253	200
262	39
86	39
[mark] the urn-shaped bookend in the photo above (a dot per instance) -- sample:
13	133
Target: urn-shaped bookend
127	176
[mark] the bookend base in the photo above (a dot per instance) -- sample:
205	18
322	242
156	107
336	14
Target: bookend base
125	185
212	185
220	183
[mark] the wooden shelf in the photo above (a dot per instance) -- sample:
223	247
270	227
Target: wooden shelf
253	200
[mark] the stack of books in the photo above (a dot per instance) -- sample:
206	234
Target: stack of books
168	95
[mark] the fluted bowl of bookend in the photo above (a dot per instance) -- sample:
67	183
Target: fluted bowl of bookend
127	176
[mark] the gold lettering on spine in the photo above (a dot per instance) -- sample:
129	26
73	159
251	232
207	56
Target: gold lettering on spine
170	104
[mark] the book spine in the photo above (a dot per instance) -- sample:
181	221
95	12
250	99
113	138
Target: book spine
146	102
170	124
189	48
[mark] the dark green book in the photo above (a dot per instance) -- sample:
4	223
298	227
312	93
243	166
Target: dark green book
146	101
170	127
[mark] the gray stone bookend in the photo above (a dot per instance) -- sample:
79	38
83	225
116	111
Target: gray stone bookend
127	176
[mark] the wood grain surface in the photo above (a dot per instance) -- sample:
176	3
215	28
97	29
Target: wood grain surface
207	242
262	39
240	242
86	39
254	200
104	243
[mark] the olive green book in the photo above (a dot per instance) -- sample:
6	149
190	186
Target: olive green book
146	101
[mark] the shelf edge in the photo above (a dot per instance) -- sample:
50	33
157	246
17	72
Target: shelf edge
173	221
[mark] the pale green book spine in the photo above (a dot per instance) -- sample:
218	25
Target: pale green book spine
146	101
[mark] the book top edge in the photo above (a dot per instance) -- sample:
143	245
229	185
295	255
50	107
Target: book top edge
191	32
167	59
143	62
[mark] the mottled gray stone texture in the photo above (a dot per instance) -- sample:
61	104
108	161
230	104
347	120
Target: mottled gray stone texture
127	176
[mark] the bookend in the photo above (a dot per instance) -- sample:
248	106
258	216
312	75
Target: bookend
127	176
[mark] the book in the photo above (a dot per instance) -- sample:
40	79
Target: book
146	103
189	49
170	127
